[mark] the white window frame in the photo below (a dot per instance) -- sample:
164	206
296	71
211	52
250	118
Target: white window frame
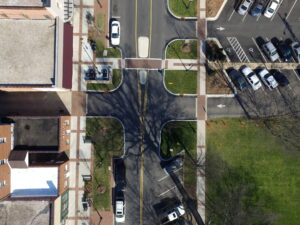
2	140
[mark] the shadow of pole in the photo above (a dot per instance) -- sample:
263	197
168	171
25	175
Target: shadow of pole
189	203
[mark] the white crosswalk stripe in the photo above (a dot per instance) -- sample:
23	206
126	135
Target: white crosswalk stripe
238	49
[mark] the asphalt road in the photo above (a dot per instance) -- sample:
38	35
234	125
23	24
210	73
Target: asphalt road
138	18
129	104
238	37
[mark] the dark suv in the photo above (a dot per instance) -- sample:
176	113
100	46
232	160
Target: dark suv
238	80
284	51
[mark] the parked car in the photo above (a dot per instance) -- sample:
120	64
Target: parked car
115	33
284	51
120	173
280	78
257	9
120	211
271	8
270	51
238	80
105	73
268	79
251	77
244	7
296	51
90	74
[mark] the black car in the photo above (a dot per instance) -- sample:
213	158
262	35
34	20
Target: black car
120	173
105	74
238	80
257	9
280	78
284	51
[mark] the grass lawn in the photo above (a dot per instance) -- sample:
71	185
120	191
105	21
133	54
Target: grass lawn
116	80
181	81
246	144
111	52
174	50
107	136
183	8
100	21
180	135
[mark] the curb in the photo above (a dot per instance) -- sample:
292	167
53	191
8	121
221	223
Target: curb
219	12
178	17
173	40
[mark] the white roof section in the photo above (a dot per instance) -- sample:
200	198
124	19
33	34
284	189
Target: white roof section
34	182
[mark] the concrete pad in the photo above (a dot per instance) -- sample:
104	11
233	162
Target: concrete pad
82	122
70	222
72	177
84	169
76	20
85	11
71	204
202	14
74	122
76	2
75	77
85	148
73	145
75	48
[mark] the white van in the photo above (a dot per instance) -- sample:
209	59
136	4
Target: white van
270	51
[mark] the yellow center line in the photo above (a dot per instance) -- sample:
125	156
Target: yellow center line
135	25
150	33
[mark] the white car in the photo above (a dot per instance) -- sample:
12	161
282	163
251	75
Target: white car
120	212
115	33
296	51
268	79
271	8
244	7
251	77
176	213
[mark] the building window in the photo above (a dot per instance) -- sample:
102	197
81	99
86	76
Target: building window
2	161
2	183
2	140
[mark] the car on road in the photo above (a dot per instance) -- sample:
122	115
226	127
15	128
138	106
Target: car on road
115	33
284	50
271	8
270	51
244	7
120	211
251	77
280	78
268	79
143	77
238	80
296	51
257	9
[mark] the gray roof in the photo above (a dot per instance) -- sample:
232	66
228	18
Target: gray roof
21	3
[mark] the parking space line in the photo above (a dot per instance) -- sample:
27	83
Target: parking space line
231	15
278	91
287	16
244	17
296	74
276	12
165	192
258	18
259	49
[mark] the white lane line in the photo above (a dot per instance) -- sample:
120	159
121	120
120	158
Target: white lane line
258	18
164	177
231	15
258	49
291	10
116	17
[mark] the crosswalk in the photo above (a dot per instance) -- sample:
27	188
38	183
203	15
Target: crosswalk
236	46
68	10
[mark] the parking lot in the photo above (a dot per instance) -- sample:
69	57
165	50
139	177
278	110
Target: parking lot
238	34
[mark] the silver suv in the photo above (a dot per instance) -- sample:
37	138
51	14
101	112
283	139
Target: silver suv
270	51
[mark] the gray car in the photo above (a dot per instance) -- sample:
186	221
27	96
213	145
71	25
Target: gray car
238	80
